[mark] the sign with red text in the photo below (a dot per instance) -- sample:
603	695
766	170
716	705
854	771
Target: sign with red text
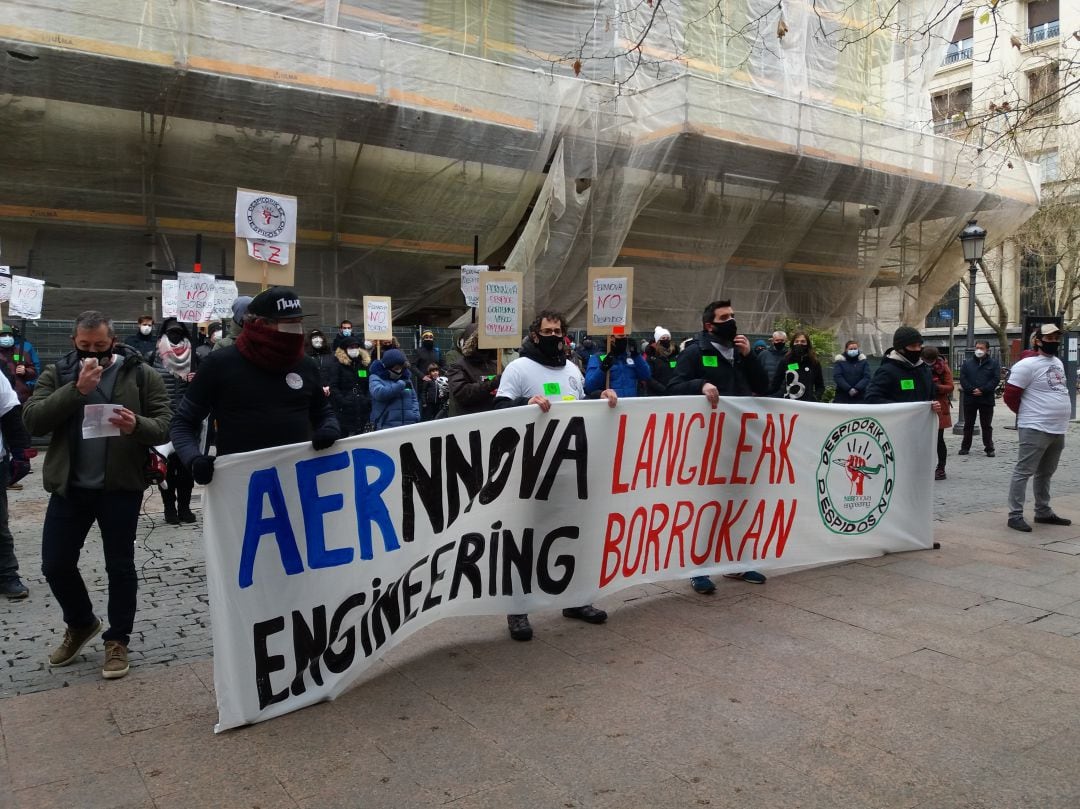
610	302
195	297
319	562
378	318
265	216
470	283
26	297
499	310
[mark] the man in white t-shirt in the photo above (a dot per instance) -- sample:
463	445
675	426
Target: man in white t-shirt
1038	393
14	440
542	376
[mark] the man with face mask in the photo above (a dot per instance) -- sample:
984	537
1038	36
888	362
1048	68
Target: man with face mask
719	362
144	340
622	369
1038	392
262	391
345	331
979	378
427	353
772	356
95	479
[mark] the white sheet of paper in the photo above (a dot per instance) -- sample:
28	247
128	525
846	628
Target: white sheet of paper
96	421
270	252
26	295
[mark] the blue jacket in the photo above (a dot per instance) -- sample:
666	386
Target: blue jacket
627	370
393	401
848	374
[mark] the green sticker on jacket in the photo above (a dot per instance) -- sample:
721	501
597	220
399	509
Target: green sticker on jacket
361	373
552	389
793	367
671	363
907	384
708	362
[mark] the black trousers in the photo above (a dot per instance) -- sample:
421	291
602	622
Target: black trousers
984	406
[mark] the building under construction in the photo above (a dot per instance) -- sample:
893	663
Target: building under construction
776	154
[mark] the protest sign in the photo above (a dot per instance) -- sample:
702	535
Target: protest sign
26	297
169	292
378	318
195	297
470	283
319	562
610	301
499	311
270	252
5	283
225	293
252	271
265	216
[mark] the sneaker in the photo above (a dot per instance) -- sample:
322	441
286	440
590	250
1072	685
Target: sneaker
116	662
74	640
990	453
1053	519
519	627
963	452
748	576
1019	524
14	589
589	614
939	474
703	585
186	516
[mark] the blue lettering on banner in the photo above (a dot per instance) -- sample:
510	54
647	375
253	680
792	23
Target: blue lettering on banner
370	507
262	484
315	507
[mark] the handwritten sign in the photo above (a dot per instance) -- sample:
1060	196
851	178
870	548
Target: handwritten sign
499	310
169	291
610	302
26	297
225	293
378	318
195	297
270	252
470	283
266	216
5	283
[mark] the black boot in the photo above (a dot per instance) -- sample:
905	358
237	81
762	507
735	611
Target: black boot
168	497
183	510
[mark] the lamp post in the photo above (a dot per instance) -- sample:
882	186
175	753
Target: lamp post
972	240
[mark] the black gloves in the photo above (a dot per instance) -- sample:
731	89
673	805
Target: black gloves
324	437
202	469
606	362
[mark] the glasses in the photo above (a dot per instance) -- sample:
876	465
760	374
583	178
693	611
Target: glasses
551	332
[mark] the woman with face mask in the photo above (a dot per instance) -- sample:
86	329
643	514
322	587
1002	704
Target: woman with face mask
943	384
20	370
175	361
393	391
798	375
851	374
351	386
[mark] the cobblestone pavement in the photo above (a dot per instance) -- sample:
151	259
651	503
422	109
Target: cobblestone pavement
172	624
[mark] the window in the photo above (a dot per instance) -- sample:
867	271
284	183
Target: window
962	41
1038	280
1042	21
945	313
1048	163
1043	91
949	109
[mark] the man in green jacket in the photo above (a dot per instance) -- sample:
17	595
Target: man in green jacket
95	478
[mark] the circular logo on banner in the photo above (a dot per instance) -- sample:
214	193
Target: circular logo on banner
855	477
266	217
294	381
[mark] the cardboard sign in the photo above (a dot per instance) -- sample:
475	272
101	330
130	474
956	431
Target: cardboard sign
378	318
499	310
265	216
169	291
225	293
195	297
270	252
470	283
611	296
26	297
252	271
5	283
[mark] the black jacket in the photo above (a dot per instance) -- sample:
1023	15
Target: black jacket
327	364
897	380
147	346
806	383
848	374
770	358
424	357
984	374
663	369
351	375
700	362
473	381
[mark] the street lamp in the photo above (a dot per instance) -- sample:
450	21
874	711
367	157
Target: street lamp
972	240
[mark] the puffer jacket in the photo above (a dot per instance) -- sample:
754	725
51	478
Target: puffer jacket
627	370
393	401
848	374
897	380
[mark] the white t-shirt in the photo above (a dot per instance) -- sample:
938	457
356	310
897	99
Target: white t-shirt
8	400
524	378
1045	403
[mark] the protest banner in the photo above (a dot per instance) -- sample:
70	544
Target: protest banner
265	216
5	283
195	297
225	293
319	562
611	300
170	290
378	318
470	283
499	311
26	297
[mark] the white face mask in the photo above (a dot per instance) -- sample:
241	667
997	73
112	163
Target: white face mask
7	341
291	328
145	330
980	353
353	352
215	336
316	342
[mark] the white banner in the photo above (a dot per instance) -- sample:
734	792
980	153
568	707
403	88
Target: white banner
265	216
225	293
169	292
26	297
195	297
470	283
5	283
318	563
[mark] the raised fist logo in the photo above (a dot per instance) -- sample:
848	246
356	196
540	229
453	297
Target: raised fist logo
855	473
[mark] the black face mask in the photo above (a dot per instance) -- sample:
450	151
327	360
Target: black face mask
103	357
912	356
778	346
428	343
174	337
725	332
799	351
1050	348
618	347
550	346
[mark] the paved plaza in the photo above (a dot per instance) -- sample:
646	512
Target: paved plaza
934	679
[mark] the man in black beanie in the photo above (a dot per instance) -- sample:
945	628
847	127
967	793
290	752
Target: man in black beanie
902	375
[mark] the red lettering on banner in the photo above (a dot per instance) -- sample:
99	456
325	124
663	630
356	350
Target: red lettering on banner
678	530
785	445
683	481
741	447
723	538
617	486
779	529
645	454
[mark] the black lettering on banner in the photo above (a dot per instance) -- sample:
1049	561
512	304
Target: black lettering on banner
431	600
470	472
517	557
266	663
427	484
309	643
575	432
532	460
548	583
337	662
500	463
469	552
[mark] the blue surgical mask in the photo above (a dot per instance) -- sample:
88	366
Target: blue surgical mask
346	332
7	341
853	353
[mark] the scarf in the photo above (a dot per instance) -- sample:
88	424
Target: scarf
268	348
176	359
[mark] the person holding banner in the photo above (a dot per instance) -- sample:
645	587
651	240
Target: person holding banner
14	441
95	479
262	392
541	376
719	362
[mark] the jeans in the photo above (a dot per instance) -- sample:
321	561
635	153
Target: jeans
9	565
985	406
1038	455
67	522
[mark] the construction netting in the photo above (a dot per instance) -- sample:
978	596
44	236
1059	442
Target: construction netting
778	154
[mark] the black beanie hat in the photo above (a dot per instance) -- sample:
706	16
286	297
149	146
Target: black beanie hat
905	336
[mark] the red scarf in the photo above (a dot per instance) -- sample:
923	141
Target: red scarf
268	348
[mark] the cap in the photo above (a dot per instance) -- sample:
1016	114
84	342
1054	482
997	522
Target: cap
6	329
276	303
905	336
1048	328
350	342
428	335
659	333
395	356
760	344
240	307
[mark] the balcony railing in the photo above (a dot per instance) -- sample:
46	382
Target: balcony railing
948	127
958	52
1041	33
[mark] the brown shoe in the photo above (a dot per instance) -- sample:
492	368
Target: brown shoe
15	487
74	639
116	662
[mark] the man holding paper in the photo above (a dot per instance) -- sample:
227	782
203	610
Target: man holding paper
104	407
